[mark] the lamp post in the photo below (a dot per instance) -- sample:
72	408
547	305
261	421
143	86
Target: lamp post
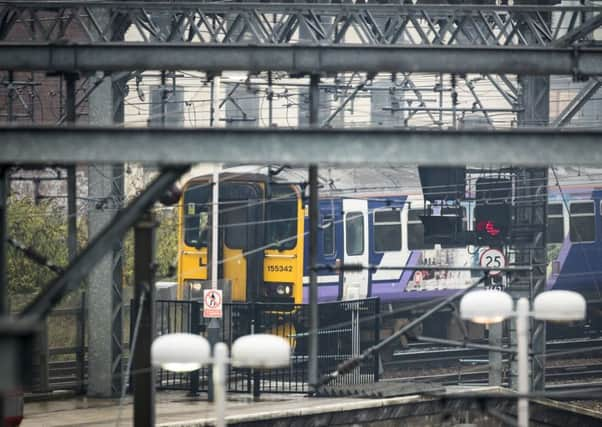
188	352
489	306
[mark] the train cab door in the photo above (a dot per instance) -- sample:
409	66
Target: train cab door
241	238
355	248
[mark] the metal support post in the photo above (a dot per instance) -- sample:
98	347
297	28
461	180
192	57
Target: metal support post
522	332
454	101
529	240
3	247
256	384
314	109
163	98
495	357
215	228
99	281
70	79
531	220
314	99
195	324
212	102
535	97
117	194
144	279
81	342
4	190
43	357
377	359
213	332
313	278
214	327
440	100
220	357
256	373
270	100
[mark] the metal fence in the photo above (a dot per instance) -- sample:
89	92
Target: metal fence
60	350
345	330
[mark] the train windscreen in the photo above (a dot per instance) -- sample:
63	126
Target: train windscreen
196	214
282	217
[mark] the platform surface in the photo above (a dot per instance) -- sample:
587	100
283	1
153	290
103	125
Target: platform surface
175	409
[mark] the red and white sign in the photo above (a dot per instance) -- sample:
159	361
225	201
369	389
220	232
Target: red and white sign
212	303
493	258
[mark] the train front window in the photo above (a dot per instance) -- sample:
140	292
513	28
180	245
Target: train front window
282	217
196	215
235	223
582	222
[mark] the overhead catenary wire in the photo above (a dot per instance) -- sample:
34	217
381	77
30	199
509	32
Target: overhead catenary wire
412	83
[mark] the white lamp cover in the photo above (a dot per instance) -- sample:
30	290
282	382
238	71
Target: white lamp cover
261	351
486	306
561	306
180	352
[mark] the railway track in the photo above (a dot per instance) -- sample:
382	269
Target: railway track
419	356
554	375
418	363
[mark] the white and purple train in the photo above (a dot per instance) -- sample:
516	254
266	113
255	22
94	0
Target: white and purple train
386	231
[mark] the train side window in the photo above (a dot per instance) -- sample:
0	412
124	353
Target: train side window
582	227
555	223
354	228
328	230
387	230
416	230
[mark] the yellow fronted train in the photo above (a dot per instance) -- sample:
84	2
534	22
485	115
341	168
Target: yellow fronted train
260	234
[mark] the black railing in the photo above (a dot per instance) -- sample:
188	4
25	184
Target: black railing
345	329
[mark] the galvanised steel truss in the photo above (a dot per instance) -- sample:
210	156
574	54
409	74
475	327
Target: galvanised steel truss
262	24
274	23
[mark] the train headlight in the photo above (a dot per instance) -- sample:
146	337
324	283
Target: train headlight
278	289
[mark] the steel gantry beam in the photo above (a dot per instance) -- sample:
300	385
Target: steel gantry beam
260	23
300	146
301	58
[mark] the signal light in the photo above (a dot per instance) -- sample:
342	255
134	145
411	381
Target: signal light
489	227
492	222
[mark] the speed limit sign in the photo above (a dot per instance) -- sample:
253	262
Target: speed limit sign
493	258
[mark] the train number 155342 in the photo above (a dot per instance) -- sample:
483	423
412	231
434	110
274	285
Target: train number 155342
280	268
